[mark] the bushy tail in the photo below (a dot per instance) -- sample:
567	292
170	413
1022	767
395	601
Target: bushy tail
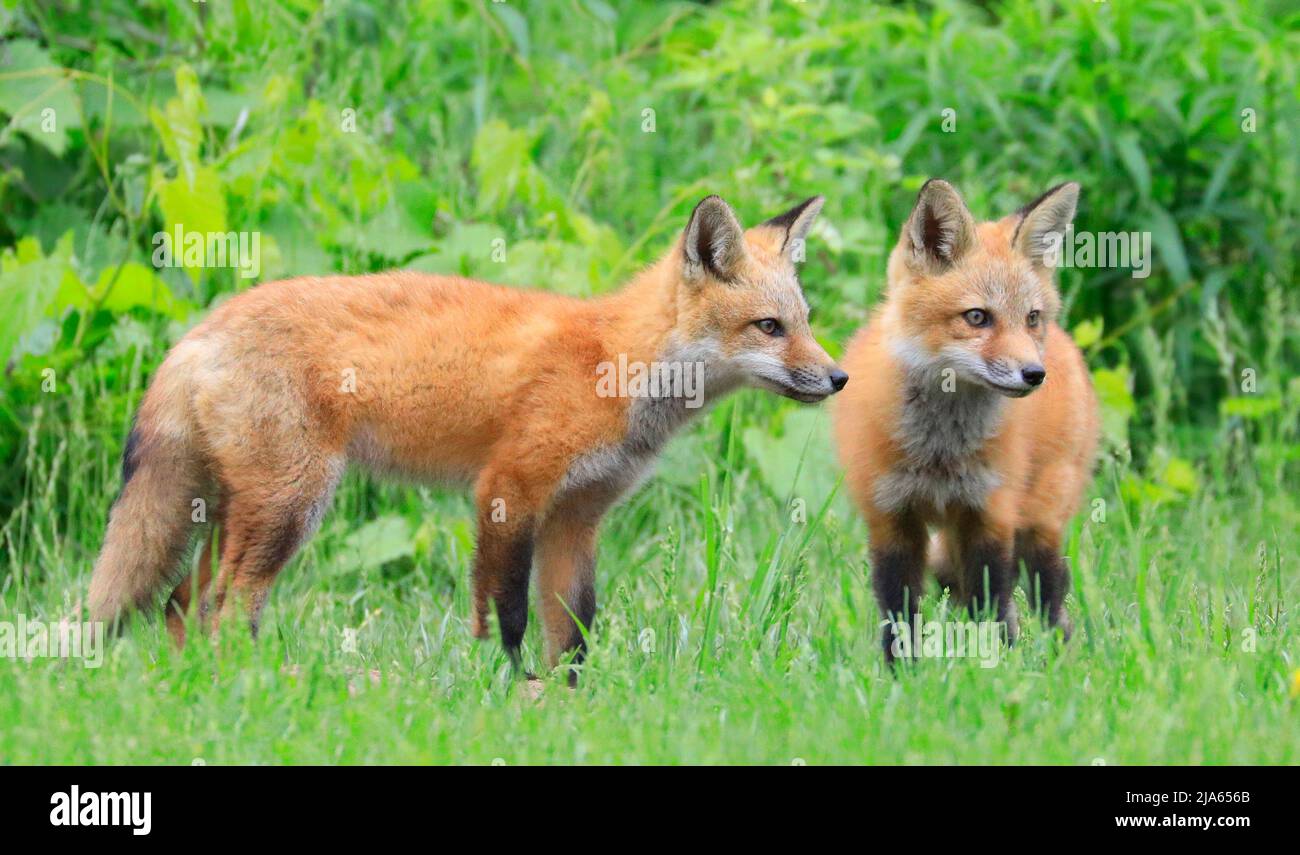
151	524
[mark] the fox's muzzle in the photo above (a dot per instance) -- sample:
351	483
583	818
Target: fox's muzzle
813	385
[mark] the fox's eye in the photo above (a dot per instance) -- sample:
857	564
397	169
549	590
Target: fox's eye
1033	318
977	318
771	326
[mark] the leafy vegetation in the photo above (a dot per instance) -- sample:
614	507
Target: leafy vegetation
562	145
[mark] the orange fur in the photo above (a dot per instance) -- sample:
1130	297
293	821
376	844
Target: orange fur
434	378
934	433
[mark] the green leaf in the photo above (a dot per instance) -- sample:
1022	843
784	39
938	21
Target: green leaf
1169	243
378	542
134	285
1087	333
1180	475
1116	400
564	266
29	281
291	245
1135	162
1140	491
1222	170
389	234
799	462
179	123
601	10
466	251
501	162
39	97
516	25
196	204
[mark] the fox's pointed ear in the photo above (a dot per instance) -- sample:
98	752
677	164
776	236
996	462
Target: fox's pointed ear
1044	220
794	224
714	241
940	229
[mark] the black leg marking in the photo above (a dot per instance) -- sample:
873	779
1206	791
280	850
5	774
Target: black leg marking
896	574
1048	582
584	610
510	591
989	580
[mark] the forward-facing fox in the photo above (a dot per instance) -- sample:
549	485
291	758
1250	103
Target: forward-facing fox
971	411
258	410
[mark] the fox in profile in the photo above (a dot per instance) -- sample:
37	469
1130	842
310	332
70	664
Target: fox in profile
972	412
259	409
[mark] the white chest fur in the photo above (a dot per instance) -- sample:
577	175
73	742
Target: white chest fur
624	465
652	419
941	432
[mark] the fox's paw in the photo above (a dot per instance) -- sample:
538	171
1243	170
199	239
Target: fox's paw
1061	623
1012	621
894	651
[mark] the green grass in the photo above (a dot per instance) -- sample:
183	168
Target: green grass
479	121
764	646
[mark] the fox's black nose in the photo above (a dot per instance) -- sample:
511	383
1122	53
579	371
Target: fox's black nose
838	379
1034	374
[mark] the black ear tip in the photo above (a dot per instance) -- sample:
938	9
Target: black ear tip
790	217
1072	186
713	207
935	189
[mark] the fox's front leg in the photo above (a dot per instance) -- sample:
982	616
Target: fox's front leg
566	565
897	572
1049	576
986	549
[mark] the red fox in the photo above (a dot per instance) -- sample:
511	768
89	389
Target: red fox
258	410
941	429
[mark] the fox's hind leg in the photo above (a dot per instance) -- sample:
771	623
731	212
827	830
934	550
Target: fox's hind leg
178	605
265	522
986	549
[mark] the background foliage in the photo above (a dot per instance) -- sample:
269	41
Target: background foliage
356	136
